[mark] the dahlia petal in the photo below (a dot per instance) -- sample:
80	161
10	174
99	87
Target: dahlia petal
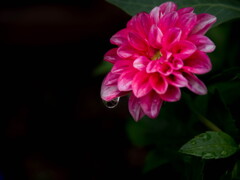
165	68
126	52
120	37
141	63
204	22
167	7
172	36
137	42
186	22
194	84
183	49
168	21
158	83
111	92
177	64
152	66
172	94
125	80
110	79
141	85
111	56
203	43
177	79
144	24
135	108
121	66
151	104
155	36
198	63
155	15
185	10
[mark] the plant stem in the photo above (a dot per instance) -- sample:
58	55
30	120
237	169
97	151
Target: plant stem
208	123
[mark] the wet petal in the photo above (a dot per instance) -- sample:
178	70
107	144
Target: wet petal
110	92
141	63
141	85
151	104
195	85
198	63
172	94
135	108
125	80
202	43
158	83
110	79
204	22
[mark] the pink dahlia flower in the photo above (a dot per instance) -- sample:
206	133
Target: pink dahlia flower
156	55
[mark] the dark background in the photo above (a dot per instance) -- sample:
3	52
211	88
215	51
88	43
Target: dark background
53	124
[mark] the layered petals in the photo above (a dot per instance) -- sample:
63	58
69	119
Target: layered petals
204	22
141	85
125	80
195	85
135	108
151	104
158	83
198	63
202	43
157	54
172	94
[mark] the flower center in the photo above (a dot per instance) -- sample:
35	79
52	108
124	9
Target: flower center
156	56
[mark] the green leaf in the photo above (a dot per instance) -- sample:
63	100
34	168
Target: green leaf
210	145
103	68
224	10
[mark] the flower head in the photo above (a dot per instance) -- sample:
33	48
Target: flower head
156	55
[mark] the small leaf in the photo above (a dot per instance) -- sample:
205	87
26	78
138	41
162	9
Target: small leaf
103	68
210	145
222	9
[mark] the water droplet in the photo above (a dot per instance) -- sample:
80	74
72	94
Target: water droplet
224	153
208	155
111	104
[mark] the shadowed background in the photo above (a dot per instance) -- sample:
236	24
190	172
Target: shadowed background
54	125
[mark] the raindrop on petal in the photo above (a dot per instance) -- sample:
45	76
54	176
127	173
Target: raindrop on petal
112	104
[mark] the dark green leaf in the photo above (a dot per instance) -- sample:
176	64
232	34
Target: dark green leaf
210	145
103	68
224	10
